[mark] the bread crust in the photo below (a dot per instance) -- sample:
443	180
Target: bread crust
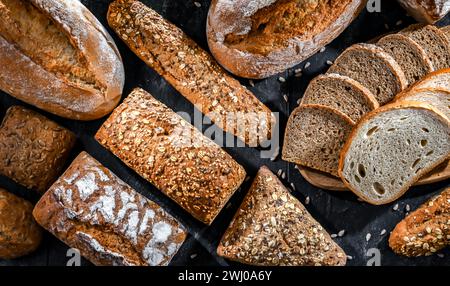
427	78
26	80
426	11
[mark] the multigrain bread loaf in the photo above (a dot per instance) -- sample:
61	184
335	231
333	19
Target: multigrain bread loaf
341	93
191	70
91	209
433	41
57	56
373	68
424	231
426	11
439	99
408	54
19	233
33	149
171	154
257	39
435	80
272	228
315	135
392	148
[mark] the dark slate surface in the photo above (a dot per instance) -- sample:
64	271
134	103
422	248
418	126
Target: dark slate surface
336	211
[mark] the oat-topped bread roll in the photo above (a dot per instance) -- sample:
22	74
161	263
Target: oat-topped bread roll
57	56
33	149
191	70
426	11
424	231
91	209
259	38
19	233
272	228
171	154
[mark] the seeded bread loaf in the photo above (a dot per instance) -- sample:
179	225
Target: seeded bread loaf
424	231
314	137
257	39
392	148
91	209
33	149
426	11
341	93
57	56
171	154
19	233
408	54
435	80
191	70
439	99
373	68
272	228
433	41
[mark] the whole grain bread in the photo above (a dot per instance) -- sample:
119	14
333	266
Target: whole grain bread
373	68
33	149
426	230
315	135
426	11
171	154
257	39
191	70
19	233
91	209
57	56
440	99
272	228
392	148
408	54
341	93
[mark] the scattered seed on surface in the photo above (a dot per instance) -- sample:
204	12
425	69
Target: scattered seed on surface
283	175
285	97
307	65
399	23
279	172
341	233
293	186
330	63
333	235
441	255
368	237
281	79
395	208
386	26
252	83
307	200
197	4
349	257
194	255
323	49
383	232
408	208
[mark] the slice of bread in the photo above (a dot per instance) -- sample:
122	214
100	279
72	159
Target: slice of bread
392	148
272	228
446	31
438	80
375	69
341	93
440	99
315	135
433	41
409	55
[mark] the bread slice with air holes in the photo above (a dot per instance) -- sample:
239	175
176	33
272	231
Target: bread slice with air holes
375	69
392	148
438	79
440	99
409	55
341	93
315	135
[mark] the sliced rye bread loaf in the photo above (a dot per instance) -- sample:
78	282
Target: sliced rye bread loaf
392	148
409	55
375	69
435	80
433	41
341	93
440	99
315	135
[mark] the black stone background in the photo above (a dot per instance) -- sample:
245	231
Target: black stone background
335	211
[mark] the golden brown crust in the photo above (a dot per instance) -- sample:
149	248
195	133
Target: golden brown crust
424	231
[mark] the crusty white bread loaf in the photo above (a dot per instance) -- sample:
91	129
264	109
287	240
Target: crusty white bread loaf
426	11
392	148
56	55
440	99
257	39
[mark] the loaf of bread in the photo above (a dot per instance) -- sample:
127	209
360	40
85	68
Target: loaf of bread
426	11
392	148
424	231
91	209
257	39
57	56
272	228
171	154
33	149
192	71
19	233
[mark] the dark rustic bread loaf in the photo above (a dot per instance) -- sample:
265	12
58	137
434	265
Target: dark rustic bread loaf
57	56
272	228
19	233
191	70
33	149
257	39
426	11
341	93
171	154
91	209
424	231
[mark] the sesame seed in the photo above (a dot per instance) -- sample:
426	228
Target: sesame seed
341	233
395	207
197	4
383	232
323	49
307	200
368	237
281	79
307	65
